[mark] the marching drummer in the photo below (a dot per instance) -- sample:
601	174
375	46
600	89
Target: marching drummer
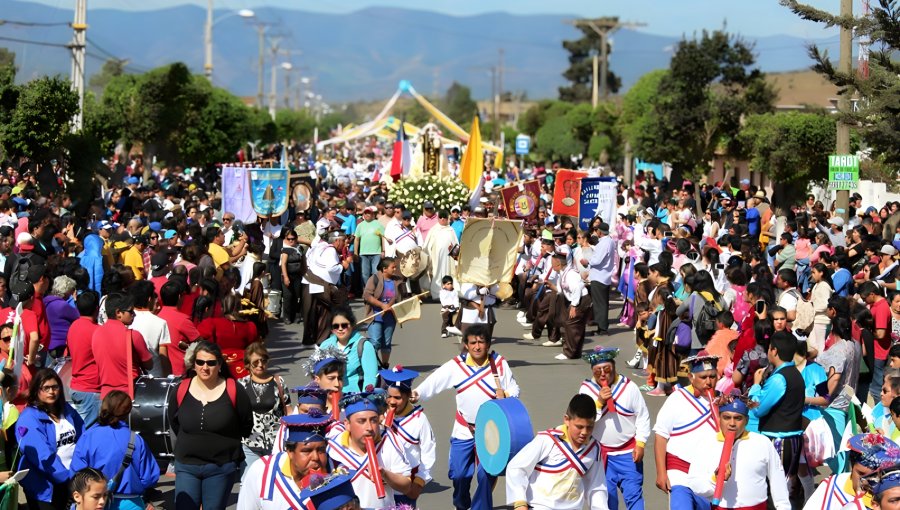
685	421
560	467
412	428
349	450
623	427
275	481
477	375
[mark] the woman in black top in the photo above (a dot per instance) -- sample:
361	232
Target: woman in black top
291	269
211	415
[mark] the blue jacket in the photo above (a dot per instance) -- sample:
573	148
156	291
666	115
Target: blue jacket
36	434
361	371
92	260
103	447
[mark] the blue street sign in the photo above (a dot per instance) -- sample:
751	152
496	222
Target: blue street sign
523	144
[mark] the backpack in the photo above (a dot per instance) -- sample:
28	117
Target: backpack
806	313
185	385
705	323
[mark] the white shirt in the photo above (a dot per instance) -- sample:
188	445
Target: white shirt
685	421
630	421
268	485
449	298
471	292
390	457
415	435
65	441
572	286
155	332
549	474
270	232
246	272
830	494
754	462
326	264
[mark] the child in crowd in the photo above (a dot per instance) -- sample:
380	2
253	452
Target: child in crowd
718	343
449	306
892	430
894	356
89	489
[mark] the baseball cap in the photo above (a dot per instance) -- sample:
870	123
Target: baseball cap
169	234
406	215
837	221
888	250
370	209
105	225
155	226
428	205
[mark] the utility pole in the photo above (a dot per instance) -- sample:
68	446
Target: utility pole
499	97
207	41
261	74
845	65
273	90
603	27
79	25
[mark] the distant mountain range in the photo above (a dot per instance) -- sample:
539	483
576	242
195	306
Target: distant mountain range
362	55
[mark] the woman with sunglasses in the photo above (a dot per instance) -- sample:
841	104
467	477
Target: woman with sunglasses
47	431
291	268
362	363
269	401
210	414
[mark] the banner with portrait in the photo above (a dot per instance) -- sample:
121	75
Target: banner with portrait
521	200
269	190
597	198
567	192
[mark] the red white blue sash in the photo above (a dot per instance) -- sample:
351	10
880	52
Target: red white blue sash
400	425
705	414
579	461
833	493
475	377
276	481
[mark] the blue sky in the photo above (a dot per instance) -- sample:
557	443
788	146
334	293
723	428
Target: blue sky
669	17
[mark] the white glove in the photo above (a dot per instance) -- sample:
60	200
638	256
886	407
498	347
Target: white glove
483	291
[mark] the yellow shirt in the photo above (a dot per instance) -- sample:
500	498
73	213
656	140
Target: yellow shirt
132	258
218	254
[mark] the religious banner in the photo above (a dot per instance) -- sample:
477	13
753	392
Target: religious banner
488	250
566	194
236	194
269	190
598	198
521	200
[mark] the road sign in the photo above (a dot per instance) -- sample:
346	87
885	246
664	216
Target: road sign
843	172
523	144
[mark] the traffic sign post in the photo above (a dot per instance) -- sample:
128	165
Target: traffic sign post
523	145
843	172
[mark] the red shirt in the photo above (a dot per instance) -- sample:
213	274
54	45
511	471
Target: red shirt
43	326
29	322
181	329
881	315
112	357
84	366
228	334
158	282
187	302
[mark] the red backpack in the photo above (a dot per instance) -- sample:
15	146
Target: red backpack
230	389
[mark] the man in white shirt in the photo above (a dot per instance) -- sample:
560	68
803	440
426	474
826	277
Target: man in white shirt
155	330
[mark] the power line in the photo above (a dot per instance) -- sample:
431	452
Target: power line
36	43
34	23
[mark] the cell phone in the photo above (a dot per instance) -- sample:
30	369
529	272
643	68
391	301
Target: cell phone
668	234
760	306
720	266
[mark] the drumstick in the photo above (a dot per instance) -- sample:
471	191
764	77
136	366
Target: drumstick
373	468
723	462
610	403
494	371
712	407
335	405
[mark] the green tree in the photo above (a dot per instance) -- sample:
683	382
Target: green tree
637	106
9	92
877	117
213	128
555	140
580	72
294	125
40	119
111	68
459	105
710	86
790	148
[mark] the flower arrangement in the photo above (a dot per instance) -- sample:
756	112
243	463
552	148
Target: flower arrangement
443	192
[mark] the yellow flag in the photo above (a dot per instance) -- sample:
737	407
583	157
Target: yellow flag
498	161
472	167
407	310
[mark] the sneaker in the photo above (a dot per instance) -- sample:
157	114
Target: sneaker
634	362
528	336
526	325
520	315
444	335
548	343
561	357
657	392
453	330
646	387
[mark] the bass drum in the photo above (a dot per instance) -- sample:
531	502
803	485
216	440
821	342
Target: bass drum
63	368
149	413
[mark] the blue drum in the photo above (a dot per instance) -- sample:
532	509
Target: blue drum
502	428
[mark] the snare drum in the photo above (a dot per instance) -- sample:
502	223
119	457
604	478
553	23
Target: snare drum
63	368
274	303
149	413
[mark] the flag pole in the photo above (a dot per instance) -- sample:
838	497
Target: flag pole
381	312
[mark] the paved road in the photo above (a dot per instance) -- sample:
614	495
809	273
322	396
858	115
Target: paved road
547	385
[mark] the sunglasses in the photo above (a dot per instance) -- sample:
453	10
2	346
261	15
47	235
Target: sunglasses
342	325
206	362
227	219
5	339
48	389
259	362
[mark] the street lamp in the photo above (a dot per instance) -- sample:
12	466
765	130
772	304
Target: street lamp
207	36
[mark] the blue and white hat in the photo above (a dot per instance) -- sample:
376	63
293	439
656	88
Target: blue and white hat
370	400
312	393
701	363
306	428
328	492
601	355
399	377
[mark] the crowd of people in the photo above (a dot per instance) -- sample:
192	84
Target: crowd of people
769	324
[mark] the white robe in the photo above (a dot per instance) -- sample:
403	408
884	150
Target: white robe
437	245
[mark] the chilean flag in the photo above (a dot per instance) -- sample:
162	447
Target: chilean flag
401	159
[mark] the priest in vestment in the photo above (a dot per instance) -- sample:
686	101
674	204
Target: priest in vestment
441	238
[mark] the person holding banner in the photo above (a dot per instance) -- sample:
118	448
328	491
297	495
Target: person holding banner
751	471
391	474
623	427
477	375
561	467
382	290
